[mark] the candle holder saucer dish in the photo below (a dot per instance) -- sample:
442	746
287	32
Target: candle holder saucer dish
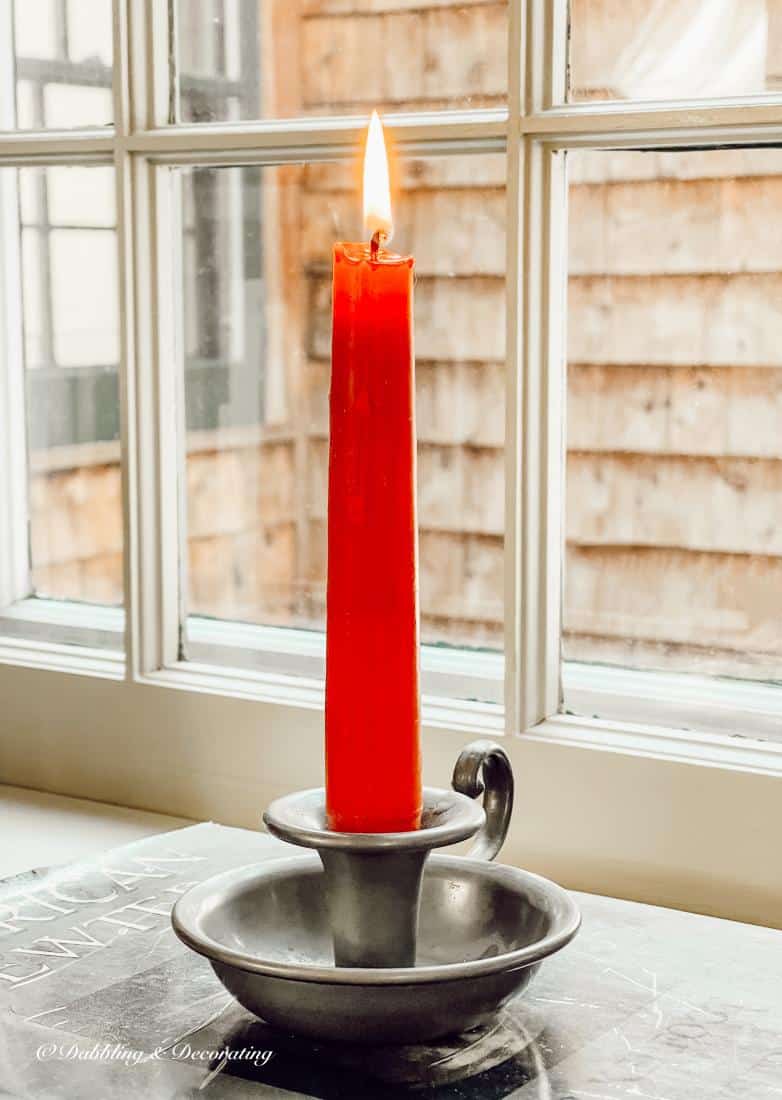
371	938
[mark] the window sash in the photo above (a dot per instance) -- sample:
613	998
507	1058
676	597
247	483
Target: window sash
535	129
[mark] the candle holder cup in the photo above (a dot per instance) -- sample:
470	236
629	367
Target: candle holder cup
373	880
377	938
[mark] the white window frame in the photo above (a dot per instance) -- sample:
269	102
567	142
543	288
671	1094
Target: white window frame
734	729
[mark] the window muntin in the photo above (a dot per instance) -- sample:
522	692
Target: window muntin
532	639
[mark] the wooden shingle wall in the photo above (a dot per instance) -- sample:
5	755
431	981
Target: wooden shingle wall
674	474
402	54
674	485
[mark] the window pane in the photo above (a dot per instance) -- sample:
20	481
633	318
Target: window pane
244	59
674	49
62	57
67	290
257	314
674	476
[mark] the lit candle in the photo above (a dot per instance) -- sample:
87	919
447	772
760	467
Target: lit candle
373	759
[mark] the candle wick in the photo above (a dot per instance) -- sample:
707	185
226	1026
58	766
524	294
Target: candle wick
374	245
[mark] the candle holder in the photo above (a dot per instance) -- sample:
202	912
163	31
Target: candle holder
375	939
373	880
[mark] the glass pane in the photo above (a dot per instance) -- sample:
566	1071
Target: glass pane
68	305
62	58
674	49
674	476
243	59
257	314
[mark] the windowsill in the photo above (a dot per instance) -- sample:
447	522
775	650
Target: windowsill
670	716
632	820
64	637
41	830
683	746
684	703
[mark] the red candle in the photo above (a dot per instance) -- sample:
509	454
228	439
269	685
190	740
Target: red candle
373	767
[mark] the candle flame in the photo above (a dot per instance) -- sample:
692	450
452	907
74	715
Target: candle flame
377	190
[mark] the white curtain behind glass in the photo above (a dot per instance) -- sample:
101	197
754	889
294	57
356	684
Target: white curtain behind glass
695	48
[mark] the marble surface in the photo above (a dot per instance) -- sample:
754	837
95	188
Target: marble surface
658	1005
645	1004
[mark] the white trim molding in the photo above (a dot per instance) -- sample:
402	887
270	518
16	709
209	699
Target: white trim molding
675	700
735	753
49	656
14	555
14	551
652	828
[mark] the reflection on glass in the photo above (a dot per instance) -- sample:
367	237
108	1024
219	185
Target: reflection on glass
68	305
62	58
257	287
674	49
243	59
674	473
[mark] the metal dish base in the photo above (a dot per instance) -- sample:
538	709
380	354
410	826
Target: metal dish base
483	930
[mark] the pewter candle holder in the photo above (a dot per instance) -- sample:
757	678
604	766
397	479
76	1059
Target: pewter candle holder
378	938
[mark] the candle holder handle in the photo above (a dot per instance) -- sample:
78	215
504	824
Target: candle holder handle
483	768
